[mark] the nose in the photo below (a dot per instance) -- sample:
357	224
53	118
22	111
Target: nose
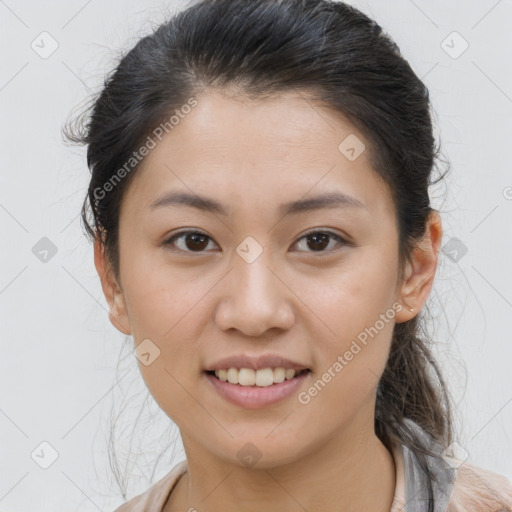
255	298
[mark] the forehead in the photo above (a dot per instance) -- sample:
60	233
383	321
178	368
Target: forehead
265	151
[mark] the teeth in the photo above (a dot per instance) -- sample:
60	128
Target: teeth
249	377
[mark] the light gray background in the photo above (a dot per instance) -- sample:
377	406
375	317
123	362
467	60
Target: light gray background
59	351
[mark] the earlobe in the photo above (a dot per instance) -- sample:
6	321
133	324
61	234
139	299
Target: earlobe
420	271
118	316
113	293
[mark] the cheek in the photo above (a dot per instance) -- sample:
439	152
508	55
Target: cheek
160	299
352	361
171	322
165	310
355	307
353	296
163	307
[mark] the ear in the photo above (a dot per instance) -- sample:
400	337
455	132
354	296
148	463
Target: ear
113	293
420	270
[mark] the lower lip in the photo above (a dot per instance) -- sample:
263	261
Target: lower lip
256	397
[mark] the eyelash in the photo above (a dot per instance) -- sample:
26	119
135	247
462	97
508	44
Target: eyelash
340	240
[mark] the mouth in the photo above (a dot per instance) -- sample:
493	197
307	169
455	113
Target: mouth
246	377
263	388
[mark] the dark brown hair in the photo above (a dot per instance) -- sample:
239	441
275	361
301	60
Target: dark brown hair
258	48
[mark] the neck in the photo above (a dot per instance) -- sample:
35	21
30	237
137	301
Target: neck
349	473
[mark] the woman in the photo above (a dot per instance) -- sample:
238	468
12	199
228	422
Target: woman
262	228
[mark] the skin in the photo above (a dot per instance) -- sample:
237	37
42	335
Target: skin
310	305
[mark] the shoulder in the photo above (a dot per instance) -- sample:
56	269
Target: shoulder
480	490
154	498
459	486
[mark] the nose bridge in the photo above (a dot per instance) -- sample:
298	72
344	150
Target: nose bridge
255	300
255	281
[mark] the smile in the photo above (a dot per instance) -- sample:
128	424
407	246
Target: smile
257	391
261	378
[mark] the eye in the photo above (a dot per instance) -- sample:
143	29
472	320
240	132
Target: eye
319	239
196	241
193	241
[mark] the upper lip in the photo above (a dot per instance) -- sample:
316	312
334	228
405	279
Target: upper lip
256	362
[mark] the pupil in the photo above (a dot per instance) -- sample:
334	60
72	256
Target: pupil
322	236
197	243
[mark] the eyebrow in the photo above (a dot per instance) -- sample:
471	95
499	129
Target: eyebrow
206	204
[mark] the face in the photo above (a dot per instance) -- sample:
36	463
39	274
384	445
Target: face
317	284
